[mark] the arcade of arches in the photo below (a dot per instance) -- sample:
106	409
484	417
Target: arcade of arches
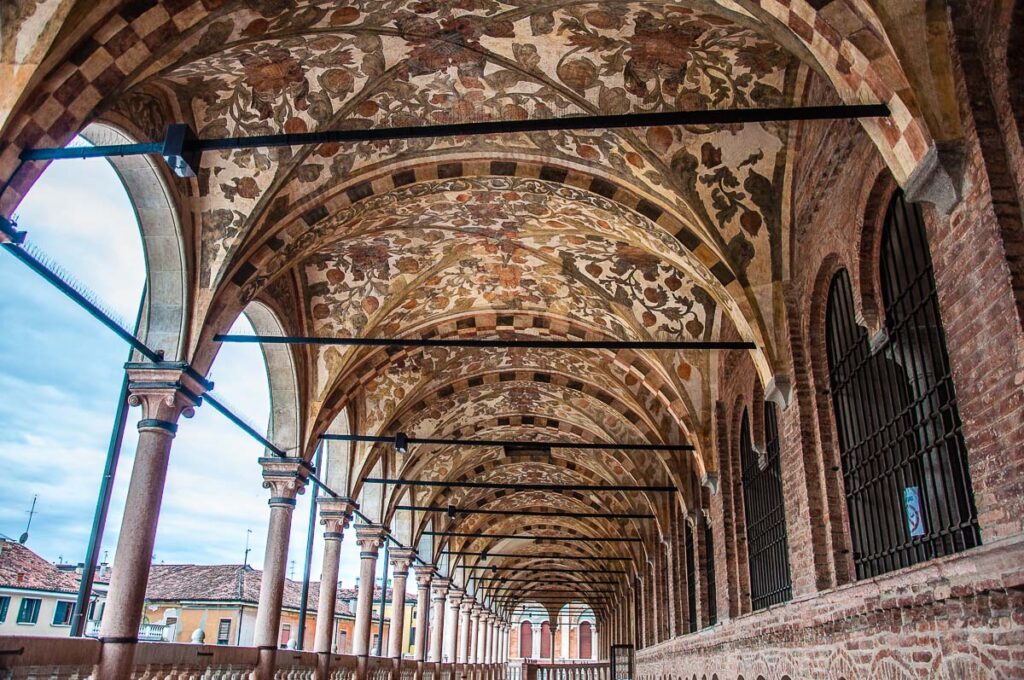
851	506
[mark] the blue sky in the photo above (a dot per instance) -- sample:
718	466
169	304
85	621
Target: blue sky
60	373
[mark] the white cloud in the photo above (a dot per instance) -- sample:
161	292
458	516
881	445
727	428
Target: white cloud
60	373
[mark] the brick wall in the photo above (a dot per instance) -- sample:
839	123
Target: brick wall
961	616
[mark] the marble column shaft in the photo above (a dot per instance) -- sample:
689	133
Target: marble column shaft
424	576
165	392
370	537
401	558
438	617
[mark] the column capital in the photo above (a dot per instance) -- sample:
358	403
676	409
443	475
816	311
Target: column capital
467	605
455	596
424	574
285	477
401	558
165	391
439	588
478	609
335	514
370	538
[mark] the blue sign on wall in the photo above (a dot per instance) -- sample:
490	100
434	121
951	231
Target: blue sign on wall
912	505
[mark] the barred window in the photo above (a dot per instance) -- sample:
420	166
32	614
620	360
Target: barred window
709	565
691	577
767	547
904	460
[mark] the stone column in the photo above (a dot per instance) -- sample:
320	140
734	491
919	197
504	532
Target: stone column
286	478
554	631
438	617
165	391
451	626
424	576
474	633
465	629
489	646
481	636
369	537
401	558
335	514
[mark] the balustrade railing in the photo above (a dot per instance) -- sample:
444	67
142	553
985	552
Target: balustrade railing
566	671
36	658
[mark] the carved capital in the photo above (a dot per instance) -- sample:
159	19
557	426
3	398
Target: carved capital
401	558
424	575
439	589
467	605
779	391
370	537
165	391
285	477
335	514
455	596
710	480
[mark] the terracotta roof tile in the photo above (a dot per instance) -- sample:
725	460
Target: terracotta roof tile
22	568
232	582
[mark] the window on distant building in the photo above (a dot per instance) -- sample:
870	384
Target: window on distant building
286	634
29	611
224	632
586	640
62	613
5	604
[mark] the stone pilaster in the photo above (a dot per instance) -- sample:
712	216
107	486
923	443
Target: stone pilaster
165	391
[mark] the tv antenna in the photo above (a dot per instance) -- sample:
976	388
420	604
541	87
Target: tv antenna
245	561
31	513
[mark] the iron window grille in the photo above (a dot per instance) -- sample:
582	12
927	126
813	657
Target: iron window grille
691	578
767	547
709	565
904	461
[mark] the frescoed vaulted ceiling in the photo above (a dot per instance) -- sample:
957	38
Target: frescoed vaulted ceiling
658	233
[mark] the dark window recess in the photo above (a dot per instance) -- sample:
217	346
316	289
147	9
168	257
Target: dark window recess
29	610
5	604
224	632
709	574
767	548
691	578
62	613
904	461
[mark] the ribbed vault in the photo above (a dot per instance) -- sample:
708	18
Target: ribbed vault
634	234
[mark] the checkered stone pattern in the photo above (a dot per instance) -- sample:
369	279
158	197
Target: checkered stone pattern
863	69
94	70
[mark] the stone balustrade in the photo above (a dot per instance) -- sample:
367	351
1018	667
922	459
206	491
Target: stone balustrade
33	658
566	671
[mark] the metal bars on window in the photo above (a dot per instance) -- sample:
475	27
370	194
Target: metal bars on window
904	460
767	548
709	570
691	578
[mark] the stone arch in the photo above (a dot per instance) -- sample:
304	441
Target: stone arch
872	310
285	427
834	510
165	317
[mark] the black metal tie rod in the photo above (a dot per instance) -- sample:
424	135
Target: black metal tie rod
458	534
452	511
483	342
512	579
182	149
542	570
401	439
528	556
519	487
